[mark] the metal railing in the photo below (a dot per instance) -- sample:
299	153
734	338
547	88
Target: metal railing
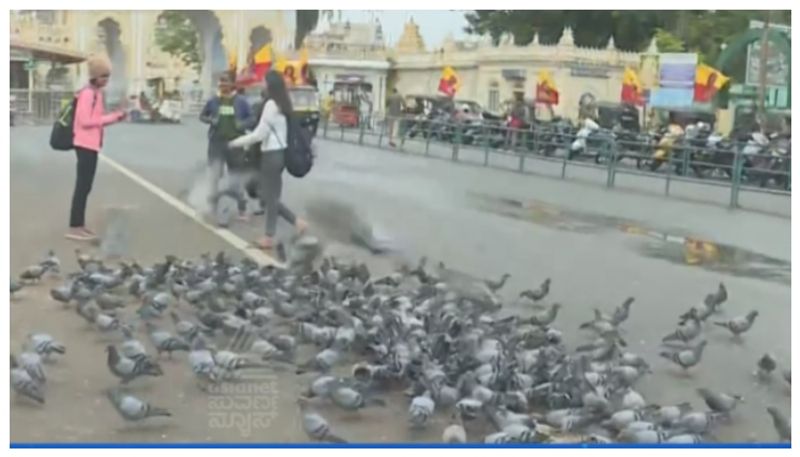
548	150
38	107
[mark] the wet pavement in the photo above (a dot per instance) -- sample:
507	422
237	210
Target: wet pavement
598	246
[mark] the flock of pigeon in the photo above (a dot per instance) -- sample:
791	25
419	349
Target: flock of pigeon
434	333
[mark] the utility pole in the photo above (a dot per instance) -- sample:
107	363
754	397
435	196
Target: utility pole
762	71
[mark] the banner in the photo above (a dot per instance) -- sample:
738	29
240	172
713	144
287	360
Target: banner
676	81
708	81
632	91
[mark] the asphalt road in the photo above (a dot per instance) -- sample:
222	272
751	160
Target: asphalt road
599	246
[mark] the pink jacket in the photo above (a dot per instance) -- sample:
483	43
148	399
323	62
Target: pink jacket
90	119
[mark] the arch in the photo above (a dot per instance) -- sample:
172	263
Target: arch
740	43
109	34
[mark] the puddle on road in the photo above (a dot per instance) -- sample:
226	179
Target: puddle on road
670	245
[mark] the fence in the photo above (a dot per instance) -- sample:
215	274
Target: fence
37	107
730	168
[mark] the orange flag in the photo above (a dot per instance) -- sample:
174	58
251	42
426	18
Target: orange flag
450	82
707	81
262	61
631	88
546	91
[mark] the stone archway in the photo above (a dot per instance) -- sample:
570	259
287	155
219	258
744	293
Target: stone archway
108	38
740	43
213	55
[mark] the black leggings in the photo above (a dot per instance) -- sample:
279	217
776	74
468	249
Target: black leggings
87	166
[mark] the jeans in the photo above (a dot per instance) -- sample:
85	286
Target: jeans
219	155
272	164
87	166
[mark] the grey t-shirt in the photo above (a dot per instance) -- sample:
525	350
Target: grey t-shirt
395	105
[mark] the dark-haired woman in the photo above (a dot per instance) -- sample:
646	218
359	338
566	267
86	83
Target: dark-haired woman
271	132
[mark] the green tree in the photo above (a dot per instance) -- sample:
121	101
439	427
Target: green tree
177	36
668	42
306	20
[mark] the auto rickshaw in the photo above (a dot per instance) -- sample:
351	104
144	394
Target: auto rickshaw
305	100
610	115
346	96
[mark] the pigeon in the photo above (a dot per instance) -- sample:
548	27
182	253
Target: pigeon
16	286
622	313
315	426
766	365
420	410
783	426
713	301
687	331
32	363
45	345
351	400
699	422
546	317
33	273
539	293
52	262
24	384
495	286
131	347
454	432
686	358
685	438
720	402
201	360
739	325
127	369
164	341
108	302
63	293
132	408
668	415
103	322
186	329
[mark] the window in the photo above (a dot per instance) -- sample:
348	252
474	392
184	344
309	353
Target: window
494	98
19	76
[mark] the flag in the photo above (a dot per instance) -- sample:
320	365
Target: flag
262	61
631	88
449	83
232	61
546	91
707	81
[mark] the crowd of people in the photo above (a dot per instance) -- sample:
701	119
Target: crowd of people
247	144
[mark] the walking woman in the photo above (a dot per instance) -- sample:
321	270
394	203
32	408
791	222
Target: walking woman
271	132
90	120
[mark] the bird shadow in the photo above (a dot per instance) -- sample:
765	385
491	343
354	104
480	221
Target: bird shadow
148	427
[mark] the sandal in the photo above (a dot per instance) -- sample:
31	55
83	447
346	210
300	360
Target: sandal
301	226
79	235
265	244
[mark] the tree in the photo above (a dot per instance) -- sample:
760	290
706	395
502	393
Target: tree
667	42
177	36
306	21
702	32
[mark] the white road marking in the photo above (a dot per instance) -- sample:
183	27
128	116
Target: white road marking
231	238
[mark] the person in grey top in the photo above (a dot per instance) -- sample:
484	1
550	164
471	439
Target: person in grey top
395	111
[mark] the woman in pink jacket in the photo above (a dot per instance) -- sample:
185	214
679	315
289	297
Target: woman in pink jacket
89	123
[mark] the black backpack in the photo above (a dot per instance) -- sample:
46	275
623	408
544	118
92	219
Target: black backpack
63	133
299	157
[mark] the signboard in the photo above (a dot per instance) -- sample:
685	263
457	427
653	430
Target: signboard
777	65
589	71
676	74
513	74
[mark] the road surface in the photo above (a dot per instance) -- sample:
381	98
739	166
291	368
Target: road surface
599	246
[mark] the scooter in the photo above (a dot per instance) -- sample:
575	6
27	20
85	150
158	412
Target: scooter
581	143
666	143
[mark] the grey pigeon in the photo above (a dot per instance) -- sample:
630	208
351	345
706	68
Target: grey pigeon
45	345
546	317
420	410
33	273
32	363
783	426
164	341
494	286
685	438
52	262
539	293
719	297
127	369
315	426
23	384
699	422
15	286
766	365
351	400
622	313
687	331
132	408
720	402
686	358
739	325
63	293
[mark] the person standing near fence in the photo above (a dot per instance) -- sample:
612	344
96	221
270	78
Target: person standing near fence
395	111
90	120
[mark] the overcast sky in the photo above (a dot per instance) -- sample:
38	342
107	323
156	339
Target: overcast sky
434	25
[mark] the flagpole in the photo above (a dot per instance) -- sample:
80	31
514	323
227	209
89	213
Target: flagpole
762	72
